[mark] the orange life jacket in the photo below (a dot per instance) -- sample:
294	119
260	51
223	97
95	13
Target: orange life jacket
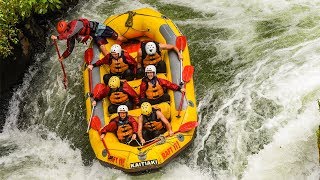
151	122
154	92
151	59
118	65
145	55
118	97
125	130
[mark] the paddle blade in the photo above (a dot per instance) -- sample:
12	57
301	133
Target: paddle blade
188	126
95	123
187	73
181	42
88	55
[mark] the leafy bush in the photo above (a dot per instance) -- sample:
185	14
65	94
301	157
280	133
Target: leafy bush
14	11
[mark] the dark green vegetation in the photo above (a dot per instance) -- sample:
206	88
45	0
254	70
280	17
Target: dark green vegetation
14	12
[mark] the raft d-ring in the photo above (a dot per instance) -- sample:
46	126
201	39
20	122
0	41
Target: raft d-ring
162	140
190	103
180	137
142	156
104	153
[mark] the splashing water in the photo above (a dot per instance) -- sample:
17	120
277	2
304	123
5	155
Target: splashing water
257	80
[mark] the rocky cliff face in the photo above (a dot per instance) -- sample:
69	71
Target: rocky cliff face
32	40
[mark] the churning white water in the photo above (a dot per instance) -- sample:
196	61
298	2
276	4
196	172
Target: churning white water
257	81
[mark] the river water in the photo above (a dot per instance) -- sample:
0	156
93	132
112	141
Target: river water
257	78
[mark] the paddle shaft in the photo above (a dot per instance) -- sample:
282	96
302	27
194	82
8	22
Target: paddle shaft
62	66
181	67
96	125
157	140
183	128
181	101
104	143
90	119
105	146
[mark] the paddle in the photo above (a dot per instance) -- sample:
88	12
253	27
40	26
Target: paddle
90	119
183	128
181	42
88	56
318	138
65	81
186	76
96	125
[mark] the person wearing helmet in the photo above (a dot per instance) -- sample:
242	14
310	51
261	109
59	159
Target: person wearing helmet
118	93
154	89
150	54
81	30
152	123
124	126
120	62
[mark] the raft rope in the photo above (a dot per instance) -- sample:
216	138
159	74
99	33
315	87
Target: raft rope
129	21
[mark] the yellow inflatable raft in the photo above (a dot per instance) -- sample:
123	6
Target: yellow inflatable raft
143	24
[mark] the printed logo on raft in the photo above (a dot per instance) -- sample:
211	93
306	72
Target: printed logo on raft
117	160
169	151
143	163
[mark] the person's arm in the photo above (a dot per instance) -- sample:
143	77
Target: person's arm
111	127
131	61
134	125
165	121
100	91
171	47
128	89
140	124
70	46
143	88
169	84
104	60
139	59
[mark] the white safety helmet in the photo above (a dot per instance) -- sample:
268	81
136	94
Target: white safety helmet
122	108
151	48
150	68
116	48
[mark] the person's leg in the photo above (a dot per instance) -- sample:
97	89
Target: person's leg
164	98
161	67
153	101
142	100
104	49
129	104
146	135
101	42
112	108
128	75
106	78
140	73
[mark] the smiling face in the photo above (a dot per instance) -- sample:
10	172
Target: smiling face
115	55
150	75
122	115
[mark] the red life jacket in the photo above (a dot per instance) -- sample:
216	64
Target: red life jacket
100	91
86	27
85	31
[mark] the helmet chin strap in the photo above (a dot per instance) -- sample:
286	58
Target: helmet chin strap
153	80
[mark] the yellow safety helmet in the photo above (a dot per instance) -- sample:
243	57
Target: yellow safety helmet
146	108
114	82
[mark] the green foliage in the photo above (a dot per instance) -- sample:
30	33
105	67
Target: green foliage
14	11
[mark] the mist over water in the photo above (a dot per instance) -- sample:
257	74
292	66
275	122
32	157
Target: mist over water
257	79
